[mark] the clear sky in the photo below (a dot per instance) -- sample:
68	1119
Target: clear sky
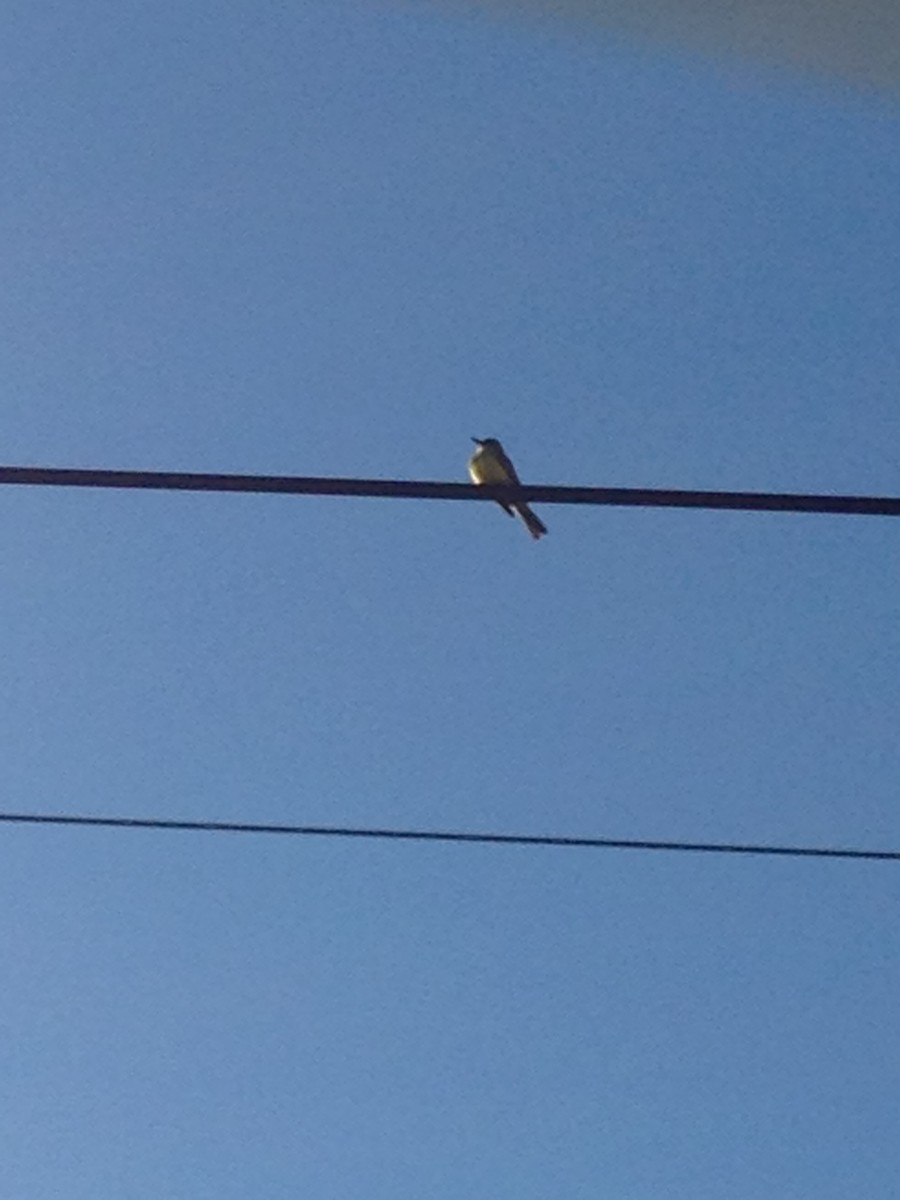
336	238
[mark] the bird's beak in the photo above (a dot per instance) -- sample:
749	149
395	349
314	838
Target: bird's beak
477	441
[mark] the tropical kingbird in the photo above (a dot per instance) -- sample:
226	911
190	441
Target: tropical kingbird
490	464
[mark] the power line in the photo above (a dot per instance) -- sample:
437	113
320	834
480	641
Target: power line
431	835
885	506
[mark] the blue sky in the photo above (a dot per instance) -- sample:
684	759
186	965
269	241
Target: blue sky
341	239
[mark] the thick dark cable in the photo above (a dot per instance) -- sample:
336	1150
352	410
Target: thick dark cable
885	506
430	835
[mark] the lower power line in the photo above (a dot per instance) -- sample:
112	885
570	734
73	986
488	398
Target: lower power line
423	489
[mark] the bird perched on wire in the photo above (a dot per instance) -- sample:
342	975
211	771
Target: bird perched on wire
491	465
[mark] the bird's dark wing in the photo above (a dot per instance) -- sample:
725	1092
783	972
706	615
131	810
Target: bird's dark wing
508	467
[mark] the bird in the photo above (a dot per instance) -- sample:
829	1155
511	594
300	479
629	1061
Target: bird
490	464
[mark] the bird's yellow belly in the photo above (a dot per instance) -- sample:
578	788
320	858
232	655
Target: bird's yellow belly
486	470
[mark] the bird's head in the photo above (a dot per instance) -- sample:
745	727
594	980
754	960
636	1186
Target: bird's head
491	443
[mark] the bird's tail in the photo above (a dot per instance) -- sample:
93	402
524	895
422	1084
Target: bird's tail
533	523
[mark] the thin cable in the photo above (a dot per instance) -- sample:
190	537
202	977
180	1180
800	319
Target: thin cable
884	506
429	835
